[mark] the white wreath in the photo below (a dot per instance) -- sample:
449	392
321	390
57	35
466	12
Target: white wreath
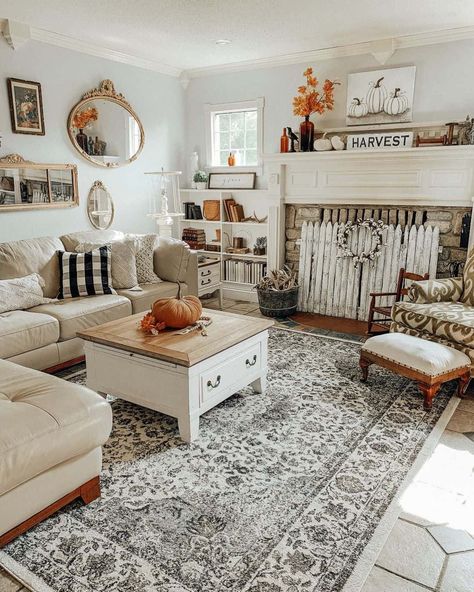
376	229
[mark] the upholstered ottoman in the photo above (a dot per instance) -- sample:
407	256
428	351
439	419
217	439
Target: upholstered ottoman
429	363
51	437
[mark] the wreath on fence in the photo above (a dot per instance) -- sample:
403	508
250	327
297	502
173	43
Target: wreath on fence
344	233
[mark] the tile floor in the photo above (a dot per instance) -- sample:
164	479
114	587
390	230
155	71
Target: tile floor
431	546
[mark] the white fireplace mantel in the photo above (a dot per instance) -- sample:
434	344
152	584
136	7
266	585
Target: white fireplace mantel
432	176
438	175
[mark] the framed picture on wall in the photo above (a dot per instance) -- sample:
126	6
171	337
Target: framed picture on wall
380	96
26	106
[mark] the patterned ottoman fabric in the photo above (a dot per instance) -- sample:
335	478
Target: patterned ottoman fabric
453	321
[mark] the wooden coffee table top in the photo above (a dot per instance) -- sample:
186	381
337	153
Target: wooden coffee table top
226	330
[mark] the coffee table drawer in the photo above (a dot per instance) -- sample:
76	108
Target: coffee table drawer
234	371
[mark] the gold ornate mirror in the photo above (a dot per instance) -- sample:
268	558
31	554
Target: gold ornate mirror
104	128
25	185
100	207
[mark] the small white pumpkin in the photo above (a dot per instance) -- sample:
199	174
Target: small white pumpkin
322	144
396	104
337	143
357	108
376	96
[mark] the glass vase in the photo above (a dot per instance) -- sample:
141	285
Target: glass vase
306	135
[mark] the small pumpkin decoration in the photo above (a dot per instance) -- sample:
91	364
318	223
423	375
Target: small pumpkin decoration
396	103
323	144
358	108
179	312
376	96
337	143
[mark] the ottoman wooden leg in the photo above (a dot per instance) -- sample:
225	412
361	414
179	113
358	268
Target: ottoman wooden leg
364	366
463	383
428	391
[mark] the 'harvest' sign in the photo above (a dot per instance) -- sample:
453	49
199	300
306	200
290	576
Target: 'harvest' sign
380	141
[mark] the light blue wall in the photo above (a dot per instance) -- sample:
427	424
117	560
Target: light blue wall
65	76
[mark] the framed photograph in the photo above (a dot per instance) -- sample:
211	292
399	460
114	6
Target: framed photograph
232	180
380	96
26	106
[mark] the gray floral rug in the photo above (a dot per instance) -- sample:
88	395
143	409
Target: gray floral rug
282	491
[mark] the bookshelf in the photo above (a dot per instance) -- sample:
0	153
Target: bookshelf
239	271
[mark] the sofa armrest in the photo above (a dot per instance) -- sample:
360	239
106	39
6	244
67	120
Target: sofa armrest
171	259
191	278
437	290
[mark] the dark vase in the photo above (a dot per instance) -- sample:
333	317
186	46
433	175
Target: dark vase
306	135
81	139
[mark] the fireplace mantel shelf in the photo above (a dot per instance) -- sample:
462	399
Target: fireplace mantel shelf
451	152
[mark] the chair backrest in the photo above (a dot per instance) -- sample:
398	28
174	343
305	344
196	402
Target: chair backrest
404	275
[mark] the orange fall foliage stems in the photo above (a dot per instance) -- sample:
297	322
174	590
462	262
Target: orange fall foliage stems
309	100
84	117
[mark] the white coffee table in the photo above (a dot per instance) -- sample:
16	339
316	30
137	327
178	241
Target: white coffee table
180	375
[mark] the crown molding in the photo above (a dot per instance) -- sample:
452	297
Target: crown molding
381	49
102	52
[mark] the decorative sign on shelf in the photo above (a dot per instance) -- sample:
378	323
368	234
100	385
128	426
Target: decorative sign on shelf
386	140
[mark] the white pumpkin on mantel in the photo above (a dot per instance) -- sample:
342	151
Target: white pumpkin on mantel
376	96
323	144
337	143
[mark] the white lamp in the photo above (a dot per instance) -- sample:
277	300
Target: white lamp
165	203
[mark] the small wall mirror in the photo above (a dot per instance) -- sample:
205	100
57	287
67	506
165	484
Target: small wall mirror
104	128
100	207
25	185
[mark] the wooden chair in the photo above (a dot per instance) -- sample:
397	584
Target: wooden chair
386	311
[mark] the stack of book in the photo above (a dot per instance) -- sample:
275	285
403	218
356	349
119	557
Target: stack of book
234	211
195	237
244	271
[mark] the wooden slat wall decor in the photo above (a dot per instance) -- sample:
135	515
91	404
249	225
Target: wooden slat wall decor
331	285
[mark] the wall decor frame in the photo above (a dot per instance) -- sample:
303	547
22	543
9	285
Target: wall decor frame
25	185
380	96
116	135
26	107
100	206
232	180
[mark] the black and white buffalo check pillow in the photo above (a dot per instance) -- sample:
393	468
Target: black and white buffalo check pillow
85	274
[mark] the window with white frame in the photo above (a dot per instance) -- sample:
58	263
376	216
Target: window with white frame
235	128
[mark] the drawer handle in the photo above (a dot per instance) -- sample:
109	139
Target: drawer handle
249	363
206	274
203	283
211	386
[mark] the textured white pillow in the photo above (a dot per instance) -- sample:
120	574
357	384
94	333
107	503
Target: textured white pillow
21	293
145	244
124	267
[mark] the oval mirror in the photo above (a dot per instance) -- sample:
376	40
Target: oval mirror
100	207
104	128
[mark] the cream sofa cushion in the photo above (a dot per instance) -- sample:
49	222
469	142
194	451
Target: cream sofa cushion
143	299
76	314
21	293
22	331
145	247
124	264
72	240
427	357
171	259
35	255
45	421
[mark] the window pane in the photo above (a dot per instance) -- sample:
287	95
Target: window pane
224	141
223	158
221	122
237	121
237	139
251	119
251	157
251	139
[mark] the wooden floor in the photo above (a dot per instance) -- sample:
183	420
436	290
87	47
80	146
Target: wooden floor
337	324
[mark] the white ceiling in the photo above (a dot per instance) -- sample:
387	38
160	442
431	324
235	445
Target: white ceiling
182	33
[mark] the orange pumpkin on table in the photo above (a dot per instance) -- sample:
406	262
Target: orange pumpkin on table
177	313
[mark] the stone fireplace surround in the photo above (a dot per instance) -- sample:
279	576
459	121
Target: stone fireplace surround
431	186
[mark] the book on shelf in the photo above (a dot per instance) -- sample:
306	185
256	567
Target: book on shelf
244	271
227	205
194	237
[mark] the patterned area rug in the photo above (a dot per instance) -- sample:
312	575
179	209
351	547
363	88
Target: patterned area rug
281	493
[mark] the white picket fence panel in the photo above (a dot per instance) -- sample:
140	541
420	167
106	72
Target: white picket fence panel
332	285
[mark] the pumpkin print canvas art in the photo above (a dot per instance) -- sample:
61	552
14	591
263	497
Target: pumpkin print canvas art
380	96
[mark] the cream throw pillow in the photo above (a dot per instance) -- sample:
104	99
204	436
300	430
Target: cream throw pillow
145	244
124	267
21	293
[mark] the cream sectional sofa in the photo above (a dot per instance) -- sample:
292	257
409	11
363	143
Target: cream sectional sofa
44	337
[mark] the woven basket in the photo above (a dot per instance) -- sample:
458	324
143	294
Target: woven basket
212	209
